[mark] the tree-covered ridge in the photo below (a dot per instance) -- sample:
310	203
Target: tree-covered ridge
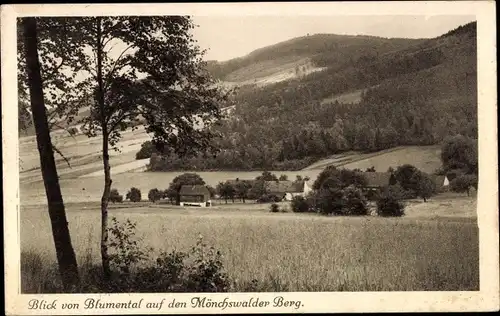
415	96
325	50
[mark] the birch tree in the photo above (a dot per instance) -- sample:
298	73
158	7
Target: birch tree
144	71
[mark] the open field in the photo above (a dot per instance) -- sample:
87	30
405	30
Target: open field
425	158
90	188
85	182
301	252
350	97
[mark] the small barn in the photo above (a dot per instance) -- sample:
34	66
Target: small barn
194	195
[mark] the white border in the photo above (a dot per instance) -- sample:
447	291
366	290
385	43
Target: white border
485	299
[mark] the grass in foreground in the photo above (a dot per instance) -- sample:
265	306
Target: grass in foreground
284	252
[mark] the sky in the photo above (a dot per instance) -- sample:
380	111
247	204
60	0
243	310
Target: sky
230	37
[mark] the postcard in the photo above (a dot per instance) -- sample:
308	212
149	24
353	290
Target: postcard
250	157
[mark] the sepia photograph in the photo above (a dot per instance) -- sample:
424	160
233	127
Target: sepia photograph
209	153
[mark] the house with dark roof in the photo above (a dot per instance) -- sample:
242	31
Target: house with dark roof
287	189
377	180
194	195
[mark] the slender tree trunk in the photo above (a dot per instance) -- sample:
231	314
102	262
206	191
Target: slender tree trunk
66	258
105	156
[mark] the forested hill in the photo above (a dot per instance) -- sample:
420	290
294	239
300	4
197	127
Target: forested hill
369	94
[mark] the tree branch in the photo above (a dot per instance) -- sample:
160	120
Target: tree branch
61	154
54	72
114	68
120	119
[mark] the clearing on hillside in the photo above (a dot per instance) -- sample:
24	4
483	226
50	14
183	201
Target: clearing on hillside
425	158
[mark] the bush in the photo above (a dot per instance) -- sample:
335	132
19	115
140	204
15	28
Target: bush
330	201
198	270
147	149
134	195
354	202
274	208
267	198
115	197
155	195
389	204
299	204
464	183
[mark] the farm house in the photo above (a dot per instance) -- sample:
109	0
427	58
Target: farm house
377	180
287	189
194	195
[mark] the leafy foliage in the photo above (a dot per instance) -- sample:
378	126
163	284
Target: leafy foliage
299	204
274	208
115	196
226	190
147	149
355	202
330	200
426	187
198	270
134	195
331	177
389	204
407	176
460	152
155	195
126	249
464	183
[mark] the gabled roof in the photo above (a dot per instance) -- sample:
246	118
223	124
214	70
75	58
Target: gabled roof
284	186
194	190
377	179
438	180
235	181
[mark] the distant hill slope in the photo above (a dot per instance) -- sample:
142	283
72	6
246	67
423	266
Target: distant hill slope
371	94
320	50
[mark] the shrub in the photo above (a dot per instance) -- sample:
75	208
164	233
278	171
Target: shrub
198	270
115	197
330	201
312	200
147	149
274	208
155	195
267	198
354	202
134	195
389	204
124	248
463	183
299	204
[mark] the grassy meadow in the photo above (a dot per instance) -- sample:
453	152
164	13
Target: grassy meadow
423	251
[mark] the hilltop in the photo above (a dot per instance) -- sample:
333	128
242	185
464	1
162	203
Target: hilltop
303	55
